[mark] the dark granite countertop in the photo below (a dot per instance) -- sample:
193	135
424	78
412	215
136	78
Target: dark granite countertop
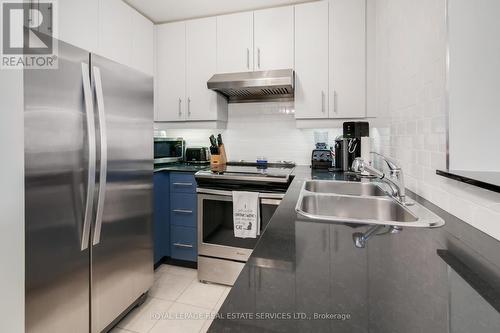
306	276
180	167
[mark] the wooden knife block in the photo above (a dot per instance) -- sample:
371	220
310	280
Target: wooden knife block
220	160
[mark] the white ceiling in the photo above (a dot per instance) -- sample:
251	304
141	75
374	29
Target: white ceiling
160	11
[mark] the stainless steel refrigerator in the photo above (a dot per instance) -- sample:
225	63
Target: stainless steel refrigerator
88	179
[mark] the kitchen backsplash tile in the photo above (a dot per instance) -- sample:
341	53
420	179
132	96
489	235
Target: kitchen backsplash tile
260	129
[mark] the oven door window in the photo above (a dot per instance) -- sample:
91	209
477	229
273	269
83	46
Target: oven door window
217	221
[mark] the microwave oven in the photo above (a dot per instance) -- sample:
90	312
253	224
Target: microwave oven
168	150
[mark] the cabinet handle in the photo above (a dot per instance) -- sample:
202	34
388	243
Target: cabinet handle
180	105
187	246
322	101
189	106
184	211
183	184
334	101
248	58
258	58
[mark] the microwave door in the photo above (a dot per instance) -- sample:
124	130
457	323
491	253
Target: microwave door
168	150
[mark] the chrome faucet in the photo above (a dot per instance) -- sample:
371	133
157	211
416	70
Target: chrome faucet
395	179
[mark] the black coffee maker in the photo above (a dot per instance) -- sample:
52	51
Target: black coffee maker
348	147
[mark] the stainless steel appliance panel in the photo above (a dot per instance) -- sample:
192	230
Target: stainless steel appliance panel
219	271
59	148
122	251
215	224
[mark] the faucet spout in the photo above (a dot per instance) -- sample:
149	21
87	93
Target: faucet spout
395	179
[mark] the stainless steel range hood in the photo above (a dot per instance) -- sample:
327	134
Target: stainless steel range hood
246	87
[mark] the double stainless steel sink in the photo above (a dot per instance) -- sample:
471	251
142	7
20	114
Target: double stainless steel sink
360	202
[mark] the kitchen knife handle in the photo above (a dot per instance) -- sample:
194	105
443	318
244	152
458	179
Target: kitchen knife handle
104	155
91	142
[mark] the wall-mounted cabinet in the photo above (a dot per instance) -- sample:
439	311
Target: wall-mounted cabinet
235	43
115	31
347	58
273	38
324	41
109	28
142	43
255	41
79	23
330	59
186	59
311	60
171	72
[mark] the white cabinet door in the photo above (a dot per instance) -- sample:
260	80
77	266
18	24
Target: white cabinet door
116	29
347	58
311	60
79	23
201	42
171	71
142	44
235	43
273	38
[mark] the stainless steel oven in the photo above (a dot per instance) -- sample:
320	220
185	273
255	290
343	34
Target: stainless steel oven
221	255
168	150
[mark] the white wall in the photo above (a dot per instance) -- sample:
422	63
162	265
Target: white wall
260	129
11	202
410	96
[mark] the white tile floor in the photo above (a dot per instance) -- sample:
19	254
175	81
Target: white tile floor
176	303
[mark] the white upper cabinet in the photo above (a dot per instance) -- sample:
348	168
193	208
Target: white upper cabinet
142	44
235	43
186	59
347	58
110	28
273	47
125	36
79	23
171	72
115	31
311	60
201	64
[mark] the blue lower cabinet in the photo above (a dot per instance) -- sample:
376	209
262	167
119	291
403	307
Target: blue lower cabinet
183	243
183	209
161	183
182	182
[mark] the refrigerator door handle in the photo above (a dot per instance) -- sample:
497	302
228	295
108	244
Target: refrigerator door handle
91	141
104	155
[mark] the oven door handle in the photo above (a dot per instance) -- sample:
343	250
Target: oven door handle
274	202
276	196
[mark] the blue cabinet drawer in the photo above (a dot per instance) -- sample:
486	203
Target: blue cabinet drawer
183	243
182	182
183	209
